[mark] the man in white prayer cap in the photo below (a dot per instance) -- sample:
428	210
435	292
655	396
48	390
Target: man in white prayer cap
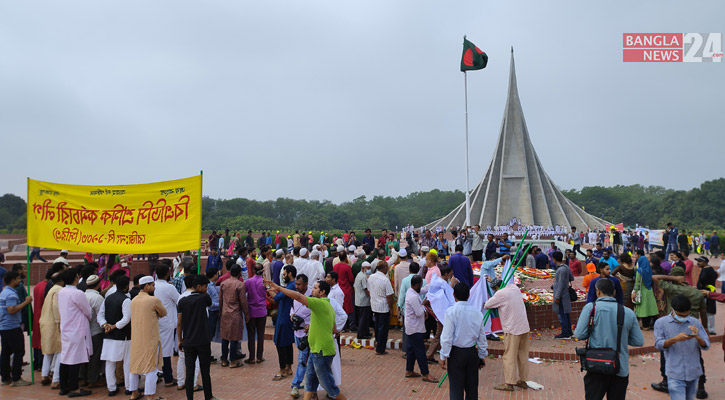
314	269
300	262
340	249
351	251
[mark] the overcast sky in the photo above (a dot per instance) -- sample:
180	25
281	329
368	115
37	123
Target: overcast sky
337	99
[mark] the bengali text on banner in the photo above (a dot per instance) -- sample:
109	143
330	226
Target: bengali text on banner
136	219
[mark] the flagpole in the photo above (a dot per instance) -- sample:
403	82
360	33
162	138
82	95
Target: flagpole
198	258
27	282
468	200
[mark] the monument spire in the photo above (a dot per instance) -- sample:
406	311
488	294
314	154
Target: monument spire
515	184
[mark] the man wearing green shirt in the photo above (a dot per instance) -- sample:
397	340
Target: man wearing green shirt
391	241
320	337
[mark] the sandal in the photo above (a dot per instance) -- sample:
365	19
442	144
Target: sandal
505	387
412	375
198	388
430	379
278	377
140	395
522	384
249	361
261	360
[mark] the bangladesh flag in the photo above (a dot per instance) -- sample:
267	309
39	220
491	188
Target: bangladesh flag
473	58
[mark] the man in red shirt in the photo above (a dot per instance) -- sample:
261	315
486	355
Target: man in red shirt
345	280
574	265
383	239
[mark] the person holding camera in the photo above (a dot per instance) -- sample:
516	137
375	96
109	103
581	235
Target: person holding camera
320	337
283	329
598	322
300	316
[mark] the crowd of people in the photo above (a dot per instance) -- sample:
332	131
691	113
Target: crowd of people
660	289
94	325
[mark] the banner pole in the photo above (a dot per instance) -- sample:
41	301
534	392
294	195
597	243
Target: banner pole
468	191
30	310
27	282
198	258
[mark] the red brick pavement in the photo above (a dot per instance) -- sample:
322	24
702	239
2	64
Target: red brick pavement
367	376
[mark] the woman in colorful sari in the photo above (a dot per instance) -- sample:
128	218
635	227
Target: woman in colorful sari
647	307
232	245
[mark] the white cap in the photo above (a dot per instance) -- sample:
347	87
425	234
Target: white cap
340	249
315	253
425	249
366	264
279	252
145	280
64	251
303	251
352	248
359	252
339	242
403	253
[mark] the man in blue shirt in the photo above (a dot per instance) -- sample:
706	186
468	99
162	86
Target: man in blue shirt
542	260
213	291
463	345
607	258
368	239
214	260
504	245
597	252
672	234
604	335
605	271
11	335
461	266
3	271
681	338
490	247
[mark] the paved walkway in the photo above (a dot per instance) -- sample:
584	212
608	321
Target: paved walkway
367	376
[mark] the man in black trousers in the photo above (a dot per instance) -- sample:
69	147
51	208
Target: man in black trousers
193	334
463	345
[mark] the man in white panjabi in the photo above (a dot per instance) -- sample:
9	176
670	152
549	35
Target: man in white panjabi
115	319
169	297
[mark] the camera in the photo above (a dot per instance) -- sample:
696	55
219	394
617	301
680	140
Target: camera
304	344
298	323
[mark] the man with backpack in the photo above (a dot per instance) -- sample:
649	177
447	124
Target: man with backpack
602	323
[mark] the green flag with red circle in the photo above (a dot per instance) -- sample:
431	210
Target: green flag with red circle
473	57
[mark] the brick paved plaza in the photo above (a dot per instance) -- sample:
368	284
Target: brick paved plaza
367	376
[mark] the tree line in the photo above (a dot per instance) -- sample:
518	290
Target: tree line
653	206
700	208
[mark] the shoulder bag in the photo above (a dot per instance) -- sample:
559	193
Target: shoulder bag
602	360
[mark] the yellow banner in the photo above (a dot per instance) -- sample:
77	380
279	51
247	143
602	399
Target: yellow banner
131	219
